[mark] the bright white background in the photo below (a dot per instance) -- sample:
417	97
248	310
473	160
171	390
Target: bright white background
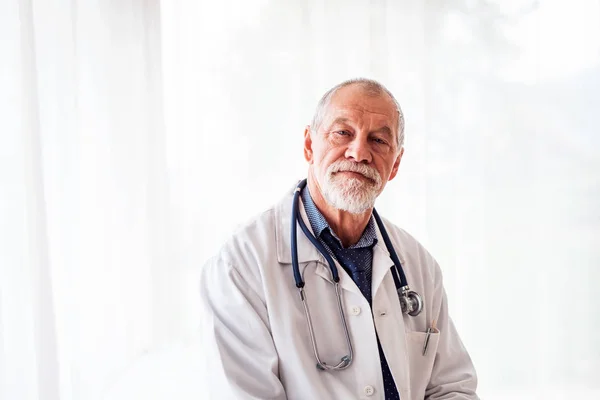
135	135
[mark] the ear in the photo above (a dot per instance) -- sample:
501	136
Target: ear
308	152
396	165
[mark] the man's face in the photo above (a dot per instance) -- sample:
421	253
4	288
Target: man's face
354	152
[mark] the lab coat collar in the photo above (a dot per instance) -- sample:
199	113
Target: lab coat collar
283	214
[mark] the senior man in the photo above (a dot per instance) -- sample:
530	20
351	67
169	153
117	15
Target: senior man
304	331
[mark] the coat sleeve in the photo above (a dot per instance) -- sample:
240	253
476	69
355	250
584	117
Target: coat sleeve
453	376
241	356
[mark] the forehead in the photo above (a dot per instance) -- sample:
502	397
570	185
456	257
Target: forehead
356	102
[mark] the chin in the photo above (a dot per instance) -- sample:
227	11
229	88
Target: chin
351	195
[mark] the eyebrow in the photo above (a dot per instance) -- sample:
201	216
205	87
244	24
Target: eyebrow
343	120
385	130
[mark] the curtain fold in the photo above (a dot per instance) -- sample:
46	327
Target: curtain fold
42	299
85	285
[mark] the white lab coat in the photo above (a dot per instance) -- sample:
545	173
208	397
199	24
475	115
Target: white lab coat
257	336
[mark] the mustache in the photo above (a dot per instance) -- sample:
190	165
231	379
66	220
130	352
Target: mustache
365	170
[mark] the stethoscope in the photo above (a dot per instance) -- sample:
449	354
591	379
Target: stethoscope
410	301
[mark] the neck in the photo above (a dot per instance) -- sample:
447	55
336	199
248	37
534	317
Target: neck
347	226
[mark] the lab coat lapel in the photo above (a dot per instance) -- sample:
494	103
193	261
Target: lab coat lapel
382	264
283	218
388	317
346	281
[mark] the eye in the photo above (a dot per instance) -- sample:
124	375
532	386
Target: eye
379	141
342	133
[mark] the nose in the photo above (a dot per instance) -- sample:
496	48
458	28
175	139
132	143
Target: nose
359	151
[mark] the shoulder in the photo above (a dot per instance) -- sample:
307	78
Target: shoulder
402	237
411	252
249	249
252	238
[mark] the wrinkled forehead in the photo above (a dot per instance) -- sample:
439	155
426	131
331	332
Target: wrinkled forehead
354	102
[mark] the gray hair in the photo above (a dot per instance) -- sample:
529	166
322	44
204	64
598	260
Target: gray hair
373	88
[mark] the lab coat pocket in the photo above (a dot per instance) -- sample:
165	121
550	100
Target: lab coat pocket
421	365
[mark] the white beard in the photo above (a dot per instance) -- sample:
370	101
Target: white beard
352	194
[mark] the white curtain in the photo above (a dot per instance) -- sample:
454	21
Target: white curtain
86	284
136	135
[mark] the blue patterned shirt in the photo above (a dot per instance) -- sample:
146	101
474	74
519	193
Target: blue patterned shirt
357	259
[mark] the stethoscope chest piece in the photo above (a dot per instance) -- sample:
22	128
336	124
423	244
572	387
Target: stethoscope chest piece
410	301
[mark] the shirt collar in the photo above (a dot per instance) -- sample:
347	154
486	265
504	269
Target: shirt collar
318	223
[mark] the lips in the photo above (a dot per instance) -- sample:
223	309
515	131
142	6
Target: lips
357	174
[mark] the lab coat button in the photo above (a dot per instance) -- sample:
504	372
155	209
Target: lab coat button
355	310
369	390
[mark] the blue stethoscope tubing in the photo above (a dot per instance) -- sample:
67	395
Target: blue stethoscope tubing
410	301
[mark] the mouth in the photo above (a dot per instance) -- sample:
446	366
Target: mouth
355	175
